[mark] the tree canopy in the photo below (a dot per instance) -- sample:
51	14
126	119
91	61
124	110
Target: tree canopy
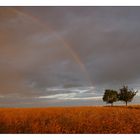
126	94
110	96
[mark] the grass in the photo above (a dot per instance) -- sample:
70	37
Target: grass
81	120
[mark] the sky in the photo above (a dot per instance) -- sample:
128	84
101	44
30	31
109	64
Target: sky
64	56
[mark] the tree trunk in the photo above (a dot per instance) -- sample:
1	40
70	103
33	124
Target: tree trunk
126	103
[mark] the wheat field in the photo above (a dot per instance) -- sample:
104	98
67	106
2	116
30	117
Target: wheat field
73	120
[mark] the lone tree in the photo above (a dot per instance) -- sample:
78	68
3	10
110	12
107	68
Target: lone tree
110	96
126	94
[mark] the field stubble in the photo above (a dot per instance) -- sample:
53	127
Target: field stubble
82	120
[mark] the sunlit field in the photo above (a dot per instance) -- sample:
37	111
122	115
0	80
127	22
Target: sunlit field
83	120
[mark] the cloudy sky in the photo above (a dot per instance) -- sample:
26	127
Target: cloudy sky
51	56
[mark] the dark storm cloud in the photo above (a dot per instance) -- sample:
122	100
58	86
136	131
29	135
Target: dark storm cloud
106	38
109	45
33	56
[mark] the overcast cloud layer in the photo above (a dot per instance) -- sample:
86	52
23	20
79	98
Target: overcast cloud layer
67	55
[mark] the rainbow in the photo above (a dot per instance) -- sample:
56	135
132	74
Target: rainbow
45	26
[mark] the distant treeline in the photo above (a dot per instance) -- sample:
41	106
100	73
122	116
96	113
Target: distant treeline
124	94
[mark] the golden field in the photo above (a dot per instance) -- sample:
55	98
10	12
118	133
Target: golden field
82	120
